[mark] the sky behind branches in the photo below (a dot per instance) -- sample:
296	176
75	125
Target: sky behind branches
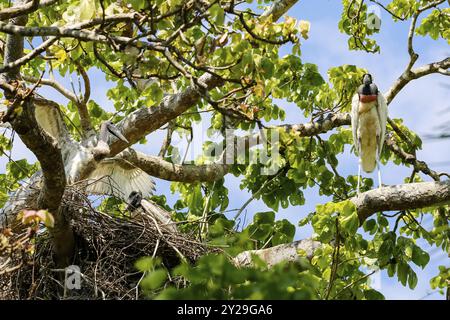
421	104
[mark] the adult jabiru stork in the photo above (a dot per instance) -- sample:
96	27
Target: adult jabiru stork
369	116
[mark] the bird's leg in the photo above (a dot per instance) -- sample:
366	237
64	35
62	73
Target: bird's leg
378	163
379	173
359	175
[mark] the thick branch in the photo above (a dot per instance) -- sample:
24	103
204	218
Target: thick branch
83	112
394	198
23	9
283	252
278	8
41	144
402	197
54	84
158	167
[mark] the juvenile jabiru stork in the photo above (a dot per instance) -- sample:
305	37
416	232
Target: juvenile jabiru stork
369	117
90	159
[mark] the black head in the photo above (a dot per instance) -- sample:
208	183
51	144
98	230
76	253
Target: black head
109	127
367	79
134	200
367	88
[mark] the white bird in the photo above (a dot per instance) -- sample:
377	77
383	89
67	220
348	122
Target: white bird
105	175
369	117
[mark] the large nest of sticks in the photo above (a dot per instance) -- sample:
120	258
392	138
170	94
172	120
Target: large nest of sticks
107	248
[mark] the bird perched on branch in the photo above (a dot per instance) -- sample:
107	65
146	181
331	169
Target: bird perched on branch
369	117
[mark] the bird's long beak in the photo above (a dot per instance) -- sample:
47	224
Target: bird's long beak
116	132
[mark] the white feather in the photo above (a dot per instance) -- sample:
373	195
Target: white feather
355	120
382	116
119	178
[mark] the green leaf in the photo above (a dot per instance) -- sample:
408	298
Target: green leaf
154	279
350	223
403	270
412	279
87	10
420	257
146	264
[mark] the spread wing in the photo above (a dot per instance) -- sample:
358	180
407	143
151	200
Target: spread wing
382	110
118	177
355	120
49	117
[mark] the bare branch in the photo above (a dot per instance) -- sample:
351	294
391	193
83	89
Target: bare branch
283	252
41	144
83	112
55	85
74	32
29	56
158	167
26	8
402	197
409	75
278	8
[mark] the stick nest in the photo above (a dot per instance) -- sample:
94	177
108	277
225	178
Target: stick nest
107	248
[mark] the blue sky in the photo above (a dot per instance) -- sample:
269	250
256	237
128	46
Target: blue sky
420	104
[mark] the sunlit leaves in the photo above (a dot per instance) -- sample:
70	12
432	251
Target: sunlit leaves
33	216
436	24
215	277
442	279
79	11
304	27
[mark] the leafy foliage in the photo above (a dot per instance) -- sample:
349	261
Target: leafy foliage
260	59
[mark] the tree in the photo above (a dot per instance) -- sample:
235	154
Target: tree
171	63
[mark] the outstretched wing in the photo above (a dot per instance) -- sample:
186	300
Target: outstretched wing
49	117
382	110
355	120
118	177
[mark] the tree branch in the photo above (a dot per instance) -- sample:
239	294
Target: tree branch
26	8
278	8
283	252
83	112
41	144
409	75
146	120
402	197
75	32
29	56
54	84
158	167
393	198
